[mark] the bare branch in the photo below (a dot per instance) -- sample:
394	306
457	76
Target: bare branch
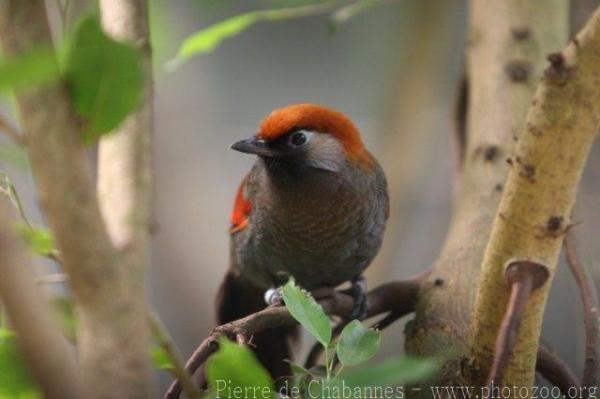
591	309
46	350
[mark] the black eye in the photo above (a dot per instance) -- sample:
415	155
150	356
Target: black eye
298	138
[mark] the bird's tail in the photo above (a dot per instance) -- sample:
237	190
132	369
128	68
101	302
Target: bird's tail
237	298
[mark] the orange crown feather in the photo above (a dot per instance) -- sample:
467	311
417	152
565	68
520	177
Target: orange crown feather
321	119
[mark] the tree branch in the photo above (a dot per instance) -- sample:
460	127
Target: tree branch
44	347
555	370
591	309
124	187
396	296
532	218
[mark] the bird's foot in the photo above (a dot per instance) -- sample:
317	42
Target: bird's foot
359	294
274	296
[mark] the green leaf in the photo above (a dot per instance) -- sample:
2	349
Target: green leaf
15	378
160	359
65	314
208	39
357	343
105	78
33	68
39	240
234	372
307	312
395	371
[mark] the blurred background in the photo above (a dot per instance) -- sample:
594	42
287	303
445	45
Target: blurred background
393	68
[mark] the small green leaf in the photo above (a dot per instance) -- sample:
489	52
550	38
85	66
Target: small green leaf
234	372
15	379
395	371
104	76
160	359
33	68
357	343
208	39
307	312
39	240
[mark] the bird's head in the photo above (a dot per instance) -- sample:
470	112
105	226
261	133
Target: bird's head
307	135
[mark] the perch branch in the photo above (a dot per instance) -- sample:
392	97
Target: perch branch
48	355
533	215
555	370
385	298
591	309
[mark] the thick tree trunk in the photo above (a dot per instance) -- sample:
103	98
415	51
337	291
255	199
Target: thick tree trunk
507	43
535	210
104	260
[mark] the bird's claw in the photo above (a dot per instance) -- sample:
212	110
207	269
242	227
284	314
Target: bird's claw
274	296
359	294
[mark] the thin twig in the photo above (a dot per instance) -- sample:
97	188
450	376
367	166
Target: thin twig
12	132
385	298
589	298
161	334
555	370
519	293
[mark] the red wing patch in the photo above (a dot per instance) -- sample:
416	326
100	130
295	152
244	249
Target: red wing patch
241	210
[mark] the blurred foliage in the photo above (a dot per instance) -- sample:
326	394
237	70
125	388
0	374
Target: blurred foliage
39	240
160	358
104	76
234	368
15	379
31	69
208	39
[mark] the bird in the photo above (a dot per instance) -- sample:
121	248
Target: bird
313	207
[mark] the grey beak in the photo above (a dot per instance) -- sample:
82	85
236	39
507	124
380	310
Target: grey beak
253	146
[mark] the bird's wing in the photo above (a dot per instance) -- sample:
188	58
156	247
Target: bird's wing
241	208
